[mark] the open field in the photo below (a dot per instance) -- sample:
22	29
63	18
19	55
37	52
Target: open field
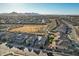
30	28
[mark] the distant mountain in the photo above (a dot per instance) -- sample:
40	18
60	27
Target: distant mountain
32	14
19	14
13	13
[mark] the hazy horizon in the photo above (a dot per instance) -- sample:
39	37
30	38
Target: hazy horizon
41	8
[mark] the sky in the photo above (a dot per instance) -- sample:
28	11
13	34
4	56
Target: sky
41	8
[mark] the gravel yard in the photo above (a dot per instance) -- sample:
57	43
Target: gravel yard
16	52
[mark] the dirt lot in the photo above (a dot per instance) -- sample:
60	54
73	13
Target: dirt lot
30	28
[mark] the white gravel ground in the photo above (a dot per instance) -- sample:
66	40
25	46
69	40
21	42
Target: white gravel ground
5	50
